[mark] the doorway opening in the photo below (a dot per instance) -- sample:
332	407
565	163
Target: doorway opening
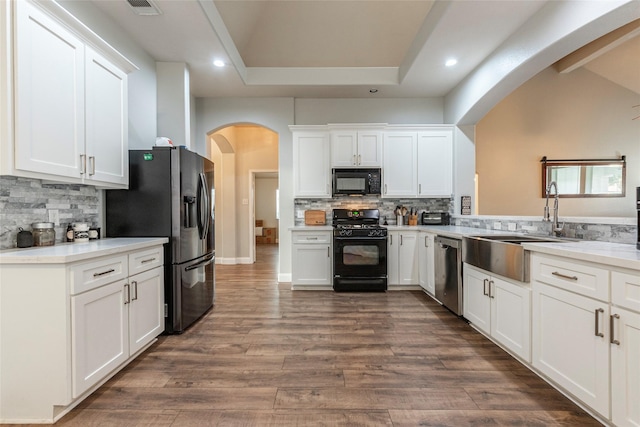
246	159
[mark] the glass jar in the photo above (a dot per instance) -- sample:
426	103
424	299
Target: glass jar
43	234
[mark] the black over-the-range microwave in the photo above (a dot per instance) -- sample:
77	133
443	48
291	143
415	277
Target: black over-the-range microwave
356	181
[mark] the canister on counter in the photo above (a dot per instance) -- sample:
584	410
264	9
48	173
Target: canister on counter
80	232
43	234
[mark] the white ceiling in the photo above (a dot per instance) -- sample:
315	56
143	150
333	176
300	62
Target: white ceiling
336	48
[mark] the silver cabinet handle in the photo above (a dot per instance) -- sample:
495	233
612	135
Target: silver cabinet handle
385	189
419	188
127	296
359	159
92	165
391	239
134	284
484	287
611	329
490	289
425	242
564	276
144	261
102	273
83	164
354	160
312	238
328	252
597	332
401	240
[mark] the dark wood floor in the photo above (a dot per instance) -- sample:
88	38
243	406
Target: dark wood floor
266	355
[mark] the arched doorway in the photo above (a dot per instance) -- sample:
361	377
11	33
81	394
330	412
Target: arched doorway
243	153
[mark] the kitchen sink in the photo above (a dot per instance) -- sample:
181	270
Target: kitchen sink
501	254
515	239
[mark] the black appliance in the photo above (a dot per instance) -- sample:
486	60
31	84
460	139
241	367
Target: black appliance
357	181
171	195
434	218
359	251
638	207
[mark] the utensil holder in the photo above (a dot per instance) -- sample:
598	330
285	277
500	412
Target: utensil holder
399	220
413	219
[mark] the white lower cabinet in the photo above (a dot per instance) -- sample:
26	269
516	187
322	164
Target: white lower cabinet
311	258
586	333
625	348
74	324
426	266
570	346
402	258
100	334
499	308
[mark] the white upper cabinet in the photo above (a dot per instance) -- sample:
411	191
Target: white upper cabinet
400	171
356	149
69	101
418	163
49	95
435	163
106	128
311	164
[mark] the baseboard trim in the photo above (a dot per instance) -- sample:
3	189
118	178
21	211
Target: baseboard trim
284	278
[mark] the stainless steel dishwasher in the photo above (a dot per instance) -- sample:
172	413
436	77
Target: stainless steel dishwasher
448	272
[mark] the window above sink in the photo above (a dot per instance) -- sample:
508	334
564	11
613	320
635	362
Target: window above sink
585	178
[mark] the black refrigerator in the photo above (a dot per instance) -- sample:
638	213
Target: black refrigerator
171	194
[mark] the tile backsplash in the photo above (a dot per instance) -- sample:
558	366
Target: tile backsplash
24	201
386	206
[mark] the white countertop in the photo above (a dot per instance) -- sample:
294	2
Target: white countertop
311	228
70	252
614	254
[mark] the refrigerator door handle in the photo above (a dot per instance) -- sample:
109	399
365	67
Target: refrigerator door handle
202	263
203	203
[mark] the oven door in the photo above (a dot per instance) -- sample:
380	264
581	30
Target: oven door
360	264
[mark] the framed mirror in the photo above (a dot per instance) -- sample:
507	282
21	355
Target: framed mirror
585	178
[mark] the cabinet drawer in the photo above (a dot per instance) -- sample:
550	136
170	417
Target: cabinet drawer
625	290
311	237
89	275
571	275
145	260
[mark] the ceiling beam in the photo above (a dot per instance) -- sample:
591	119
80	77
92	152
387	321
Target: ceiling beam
598	47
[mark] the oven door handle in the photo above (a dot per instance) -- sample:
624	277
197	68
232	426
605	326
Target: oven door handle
361	238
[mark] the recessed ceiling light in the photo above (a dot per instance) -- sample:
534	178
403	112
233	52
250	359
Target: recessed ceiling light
218	63
451	62
373	90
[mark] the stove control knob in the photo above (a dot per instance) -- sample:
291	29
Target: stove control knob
344	233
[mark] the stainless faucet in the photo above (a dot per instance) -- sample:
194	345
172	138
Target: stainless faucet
556	228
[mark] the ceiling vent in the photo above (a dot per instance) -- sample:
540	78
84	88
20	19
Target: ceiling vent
144	7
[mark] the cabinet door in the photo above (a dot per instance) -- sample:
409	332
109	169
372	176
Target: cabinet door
400	169
408	259
311	165
426	267
475	298
435	163
625	367
99	334
146	310
393	258
369	149
344	149
511	316
567	347
311	265
106	128
49	96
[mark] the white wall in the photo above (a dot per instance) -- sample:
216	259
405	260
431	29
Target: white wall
266	201
322	111
274	113
578	115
